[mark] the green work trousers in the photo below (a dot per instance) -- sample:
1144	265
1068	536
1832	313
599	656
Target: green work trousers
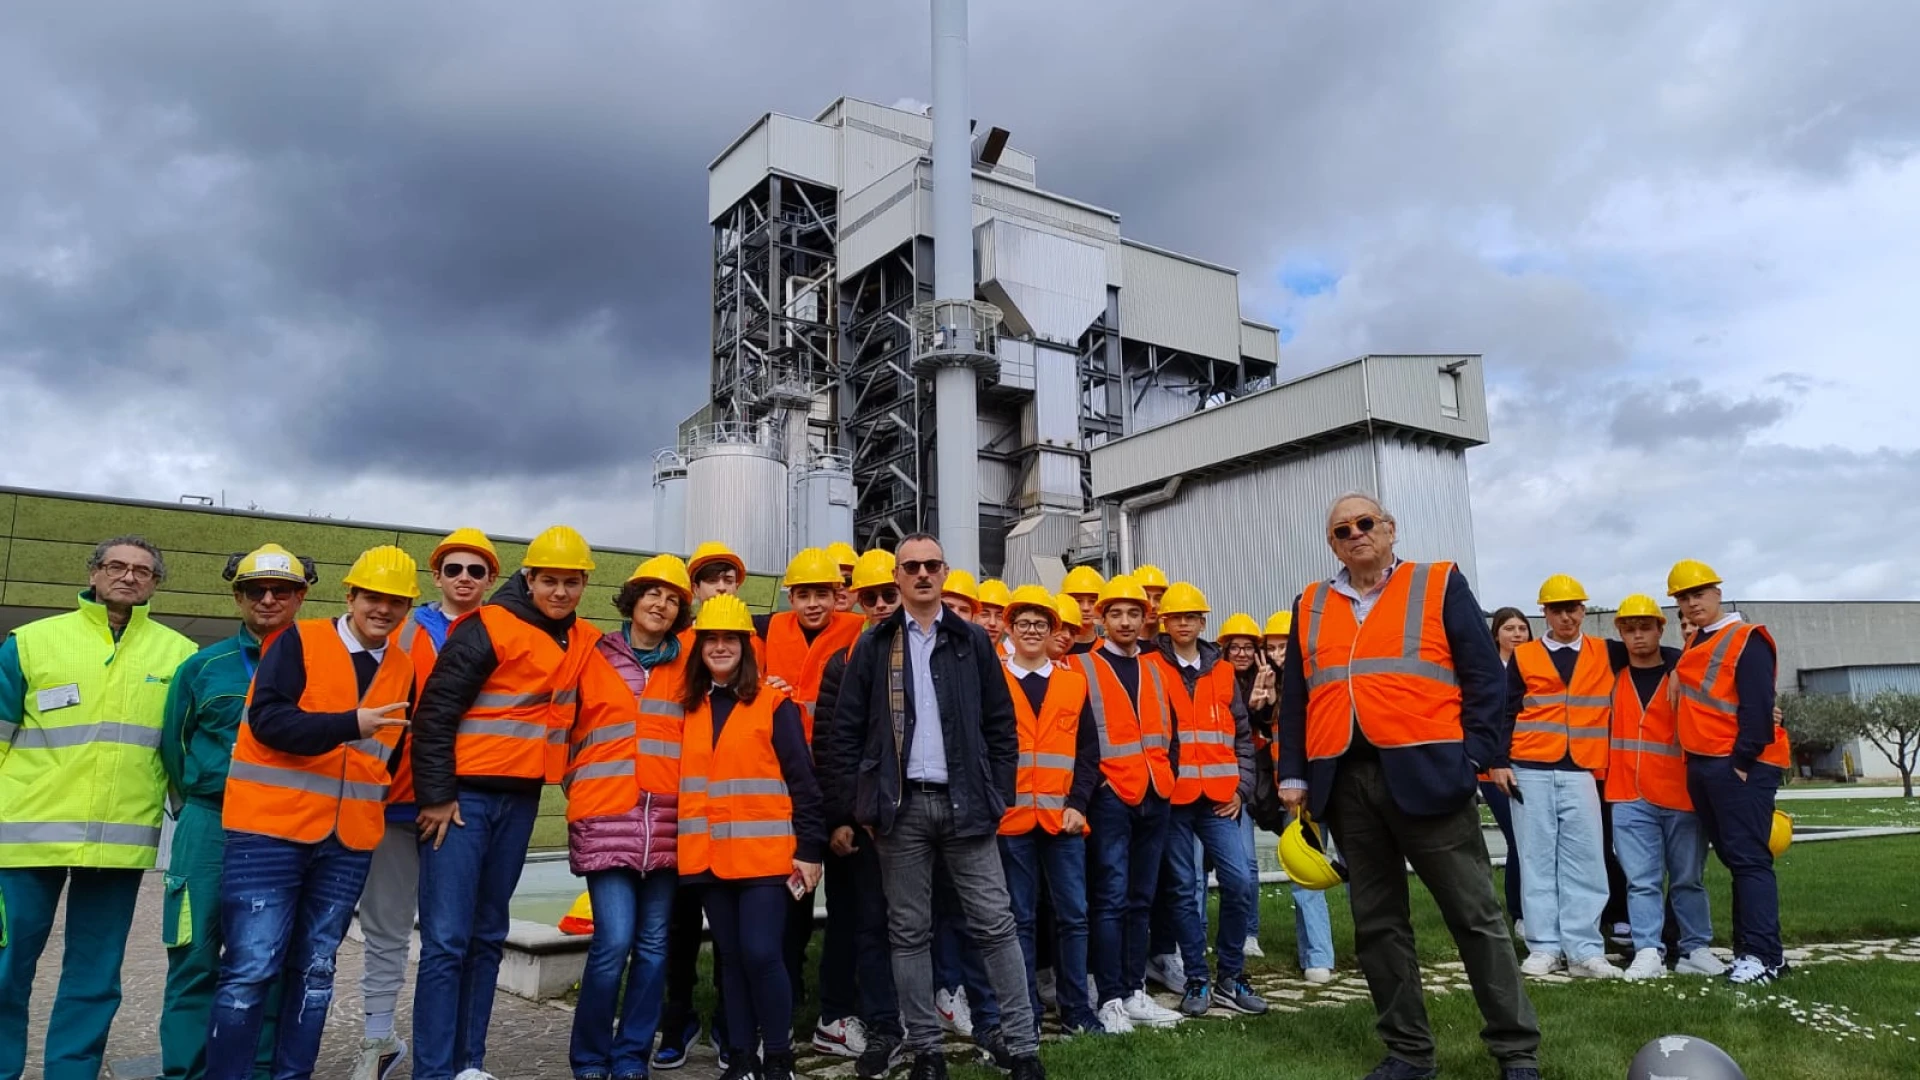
99	915
190	929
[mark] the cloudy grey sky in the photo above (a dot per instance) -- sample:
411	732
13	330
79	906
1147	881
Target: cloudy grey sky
446	262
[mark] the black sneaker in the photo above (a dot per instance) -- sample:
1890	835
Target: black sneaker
1520	1072
1392	1068
1235	994
992	1043
1028	1067
1198	998
672	1051
741	1065
883	1054
777	1066
929	1065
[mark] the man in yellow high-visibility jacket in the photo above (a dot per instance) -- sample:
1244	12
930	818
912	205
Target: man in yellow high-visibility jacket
81	788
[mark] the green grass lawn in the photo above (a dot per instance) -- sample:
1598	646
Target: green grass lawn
1901	812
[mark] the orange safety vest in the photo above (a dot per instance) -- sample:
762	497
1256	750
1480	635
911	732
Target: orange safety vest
1203	724
601	756
1392	675
342	792
791	657
1049	743
1645	762
736	818
1706	701
1557	719
1133	741
662	721
518	724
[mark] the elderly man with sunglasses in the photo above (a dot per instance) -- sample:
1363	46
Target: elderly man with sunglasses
1391	700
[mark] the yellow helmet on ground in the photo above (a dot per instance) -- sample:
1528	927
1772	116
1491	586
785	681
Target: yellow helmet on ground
559	548
1120	587
1640	606
873	569
724	613
1182	598
994	593
668	570
1303	855
1083	581
1562	589
1690	574
843	554
1149	576
385	569
1068	609
465	540
578	920
1036	597
812	566
1239	624
714	551
1279	624
961	583
269	562
1780	835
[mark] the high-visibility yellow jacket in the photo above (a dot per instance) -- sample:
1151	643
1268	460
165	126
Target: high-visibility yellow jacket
80	776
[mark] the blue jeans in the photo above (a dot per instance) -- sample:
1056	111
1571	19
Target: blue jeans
465	886
1248	835
630	916
1654	843
1220	837
282	906
99	918
1062	859
1312	929
1502	807
856	963
1737	817
1557	822
1123	873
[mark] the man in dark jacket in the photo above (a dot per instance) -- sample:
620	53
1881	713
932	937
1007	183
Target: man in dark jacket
925	712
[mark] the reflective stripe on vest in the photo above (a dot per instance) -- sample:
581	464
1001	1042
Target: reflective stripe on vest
802	663
662	721
736	815
602	755
1392	675
1706	697
105	731
519	721
1049	743
78	832
1133	741
1203	722
1558	720
1646	761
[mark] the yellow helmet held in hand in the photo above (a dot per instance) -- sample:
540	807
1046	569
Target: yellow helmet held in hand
1068	609
1149	576
1120	587
668	570
843	554
1690	574
385	569
724	613
1239	624
269	562
1036	597
1083	581
1279	624
559	548
1182	598
812	566
873	569
1640	606
466	540
961	583
1780	835
1562	589
1303	855
994	593
715	551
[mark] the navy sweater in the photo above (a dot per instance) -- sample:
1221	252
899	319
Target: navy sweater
275	715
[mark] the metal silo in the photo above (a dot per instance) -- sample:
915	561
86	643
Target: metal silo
823	500
670	502
737	492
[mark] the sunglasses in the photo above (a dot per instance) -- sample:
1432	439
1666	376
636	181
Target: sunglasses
1346	530
476	571
879	596
916	567
256	593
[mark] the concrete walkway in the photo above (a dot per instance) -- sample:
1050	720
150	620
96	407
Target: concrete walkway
1840	791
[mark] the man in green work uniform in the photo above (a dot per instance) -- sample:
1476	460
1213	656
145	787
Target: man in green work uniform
204	707
81	696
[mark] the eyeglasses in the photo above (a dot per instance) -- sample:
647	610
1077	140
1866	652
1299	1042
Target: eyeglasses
1241	648
256	592
1345	530
916	567
870	597
119	569
1032	626
476	571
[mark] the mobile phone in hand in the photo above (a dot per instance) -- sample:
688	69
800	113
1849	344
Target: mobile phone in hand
797	885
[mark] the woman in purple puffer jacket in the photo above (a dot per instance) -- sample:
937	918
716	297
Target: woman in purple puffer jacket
628	859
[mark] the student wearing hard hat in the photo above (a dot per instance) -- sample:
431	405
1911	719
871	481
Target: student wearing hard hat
204	705
1560	702
1722	689
306	805
715	570
751	829
1084	584
1066	627
621	836
82	697
844	557
1655	831
463	565
491	730
994	598
1154	581
1510	631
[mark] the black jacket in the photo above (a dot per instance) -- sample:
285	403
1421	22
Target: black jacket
462	668
835	775
976	719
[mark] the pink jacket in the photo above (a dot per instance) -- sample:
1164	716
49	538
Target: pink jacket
643	838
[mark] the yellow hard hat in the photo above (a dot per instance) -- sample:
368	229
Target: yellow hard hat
578	920
1781	834
714	551
1303	855
1083	581
385	569
1068	609
559	548
466	540
1182	598
873	569
269	562
1279	624
961	583
1562	589
1149	576
812	566
1640	606
1239	624
1036	597
1120	587
724	612
1689	574
843	554
994	593
667	570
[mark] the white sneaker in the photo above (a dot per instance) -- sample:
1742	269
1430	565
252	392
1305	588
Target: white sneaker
1252	947
1113	1018
1167	970
1647	964
1749	971
845	1037
1701	961
1319	975
1142	1009
380	1057
475	1074
1542	963
1043	985
1595	967
955	1015
1520	929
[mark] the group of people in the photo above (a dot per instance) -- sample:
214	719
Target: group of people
1012	798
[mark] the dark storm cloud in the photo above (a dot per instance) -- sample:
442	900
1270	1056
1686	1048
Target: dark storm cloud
1651	418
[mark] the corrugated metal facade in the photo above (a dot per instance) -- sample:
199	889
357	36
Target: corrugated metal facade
1179	304
734	173
879	219
1415	391
1425	487
1259	342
